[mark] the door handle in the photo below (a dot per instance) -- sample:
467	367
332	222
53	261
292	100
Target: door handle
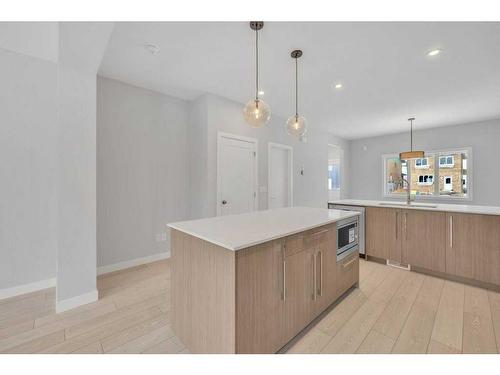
224	201
396	224
320	290
406	227
283	296
451	231
314	277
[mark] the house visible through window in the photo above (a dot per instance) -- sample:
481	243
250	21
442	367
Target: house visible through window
439	174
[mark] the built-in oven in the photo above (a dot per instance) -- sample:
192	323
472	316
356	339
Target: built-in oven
347	237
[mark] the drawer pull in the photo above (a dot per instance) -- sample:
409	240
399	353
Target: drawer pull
345	265
320	232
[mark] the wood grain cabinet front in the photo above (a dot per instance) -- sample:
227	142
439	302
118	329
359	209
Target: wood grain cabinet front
347	273
423	239
260	303
473	246
383	233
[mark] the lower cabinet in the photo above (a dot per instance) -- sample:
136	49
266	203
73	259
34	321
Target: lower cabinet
473	246
283	285
383	233
347	273
464	245
423	239
259	300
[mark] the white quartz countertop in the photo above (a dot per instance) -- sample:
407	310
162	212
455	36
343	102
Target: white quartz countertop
428	206
235	232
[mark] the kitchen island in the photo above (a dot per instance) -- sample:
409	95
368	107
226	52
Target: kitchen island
249	283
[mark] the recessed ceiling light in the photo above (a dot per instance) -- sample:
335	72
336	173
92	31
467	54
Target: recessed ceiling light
153	48
261	92
338	85
434	52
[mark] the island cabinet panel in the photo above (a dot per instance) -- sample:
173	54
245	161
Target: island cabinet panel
473	247
203	294
347	273
383	233
423	239
259	298
299	291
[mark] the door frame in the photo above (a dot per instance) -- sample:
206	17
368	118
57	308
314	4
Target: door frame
271	145
255	142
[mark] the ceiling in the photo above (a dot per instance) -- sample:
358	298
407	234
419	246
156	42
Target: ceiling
385	71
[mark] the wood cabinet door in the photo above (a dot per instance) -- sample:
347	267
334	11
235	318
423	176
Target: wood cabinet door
383	233
462	232
299	291
325	270
487	250
259	298
423	240
473	246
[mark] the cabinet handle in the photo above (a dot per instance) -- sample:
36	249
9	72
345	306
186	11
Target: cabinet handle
320	290
345	265
451	231
320	232
396	224
406	226
314	277
283	297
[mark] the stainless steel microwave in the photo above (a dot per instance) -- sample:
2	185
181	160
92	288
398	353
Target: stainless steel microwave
347	237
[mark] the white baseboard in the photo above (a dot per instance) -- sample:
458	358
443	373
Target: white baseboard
132	263
27	288
71	303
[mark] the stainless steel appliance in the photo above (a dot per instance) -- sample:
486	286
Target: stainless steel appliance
347	237
361	227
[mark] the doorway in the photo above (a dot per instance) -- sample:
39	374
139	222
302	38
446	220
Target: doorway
335	156
280	176
236	174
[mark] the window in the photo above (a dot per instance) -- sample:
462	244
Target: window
446	161
422	163
441	174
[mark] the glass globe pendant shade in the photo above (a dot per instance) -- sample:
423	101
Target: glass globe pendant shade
296	126
256	113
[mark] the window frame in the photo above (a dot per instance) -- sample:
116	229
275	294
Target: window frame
436	175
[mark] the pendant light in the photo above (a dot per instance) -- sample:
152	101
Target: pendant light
296	125
256	113
411	154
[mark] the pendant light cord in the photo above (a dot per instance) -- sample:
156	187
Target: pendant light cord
411	135
256	64
296	89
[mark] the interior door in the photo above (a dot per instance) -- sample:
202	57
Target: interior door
236	175
279	176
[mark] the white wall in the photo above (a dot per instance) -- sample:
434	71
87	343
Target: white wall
81	46
142	170
483	137
28	139
219	114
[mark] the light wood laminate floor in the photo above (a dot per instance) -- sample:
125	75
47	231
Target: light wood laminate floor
392	311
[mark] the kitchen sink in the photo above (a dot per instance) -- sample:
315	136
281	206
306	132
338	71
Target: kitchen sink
402	204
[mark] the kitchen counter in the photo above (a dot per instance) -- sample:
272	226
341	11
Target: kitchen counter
235	232
427	206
